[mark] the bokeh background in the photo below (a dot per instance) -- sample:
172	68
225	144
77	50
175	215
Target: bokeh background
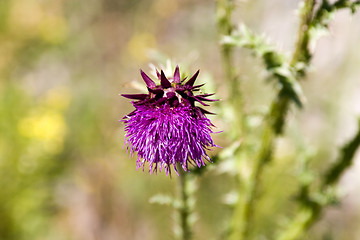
63	171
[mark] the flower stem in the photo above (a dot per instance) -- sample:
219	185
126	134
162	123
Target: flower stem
224	10
302	52
309	213
274	126
184	209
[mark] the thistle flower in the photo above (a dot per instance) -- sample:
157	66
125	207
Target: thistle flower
166	127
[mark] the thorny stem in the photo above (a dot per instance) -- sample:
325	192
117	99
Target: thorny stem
345	160
302	53
311	210
255	181
275	122
184	209
224	10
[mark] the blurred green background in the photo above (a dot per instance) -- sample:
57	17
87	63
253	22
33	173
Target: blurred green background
63	171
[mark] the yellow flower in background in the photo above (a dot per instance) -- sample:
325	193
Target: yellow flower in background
46	123
48	127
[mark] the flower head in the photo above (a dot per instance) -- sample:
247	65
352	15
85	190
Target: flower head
166	127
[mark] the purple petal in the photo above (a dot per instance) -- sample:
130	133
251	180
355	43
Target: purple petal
206	99
164	136
175	102
150	83
155	91
191	81
177	75
182	93
206	95
158	74
170	94
161	100
135	96
166	127
194	88
203	97
164	81
199	100
128	115
205	111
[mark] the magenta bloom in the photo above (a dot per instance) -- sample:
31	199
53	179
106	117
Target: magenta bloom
166	127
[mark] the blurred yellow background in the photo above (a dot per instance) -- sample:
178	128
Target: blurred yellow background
64	173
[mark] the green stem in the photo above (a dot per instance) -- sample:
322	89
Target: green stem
302	53
298	224
184	209
311	210
224	10
275	124
347	153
